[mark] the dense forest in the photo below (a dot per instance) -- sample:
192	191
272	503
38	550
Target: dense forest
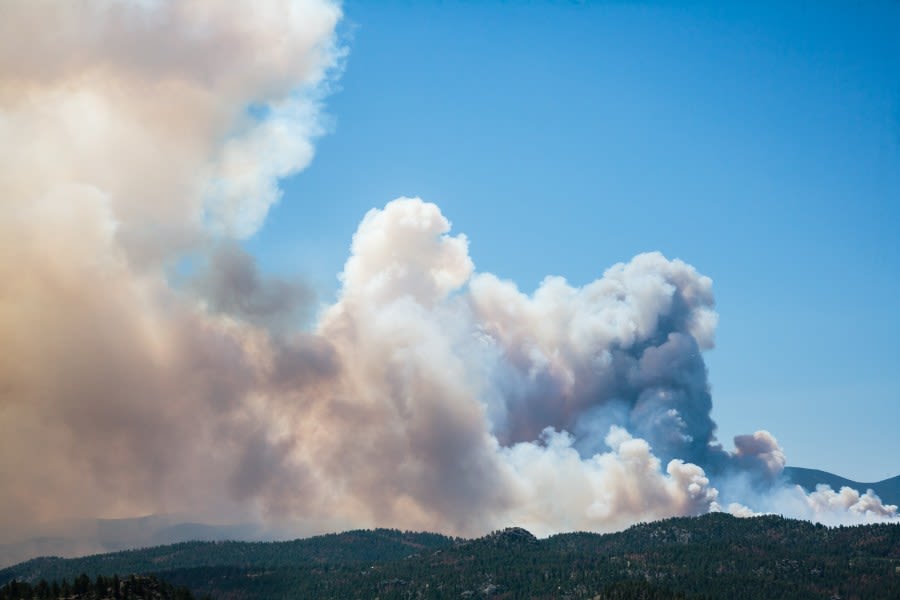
102	588
713	556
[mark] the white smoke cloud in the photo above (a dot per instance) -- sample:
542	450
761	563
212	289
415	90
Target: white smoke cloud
844	507
423	358
427	396
831	507
761	446
149	102
559	490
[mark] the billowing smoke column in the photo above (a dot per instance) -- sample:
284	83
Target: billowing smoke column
570	408
427	396
135	133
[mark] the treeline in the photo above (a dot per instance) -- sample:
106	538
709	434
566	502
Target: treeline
713	556
83	587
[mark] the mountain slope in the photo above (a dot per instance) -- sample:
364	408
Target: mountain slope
79	537
888	490
713	556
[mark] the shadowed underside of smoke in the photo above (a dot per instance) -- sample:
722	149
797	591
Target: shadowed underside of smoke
427	395
606	356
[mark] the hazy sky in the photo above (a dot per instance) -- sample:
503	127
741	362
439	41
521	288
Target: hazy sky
759	142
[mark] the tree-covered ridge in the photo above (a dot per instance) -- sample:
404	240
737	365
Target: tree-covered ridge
713	556
336	548
101	588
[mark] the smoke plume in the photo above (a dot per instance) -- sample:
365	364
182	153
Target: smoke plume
427	395
135	133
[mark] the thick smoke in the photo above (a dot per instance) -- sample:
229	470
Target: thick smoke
231	283
476	387
135	133
427	396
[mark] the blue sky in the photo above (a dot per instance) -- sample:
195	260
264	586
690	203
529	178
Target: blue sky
759	143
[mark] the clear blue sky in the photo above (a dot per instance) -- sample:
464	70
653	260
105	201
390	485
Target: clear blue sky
758	142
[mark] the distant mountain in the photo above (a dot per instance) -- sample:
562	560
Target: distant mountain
79	537
712	556
154	530
888	490
352	547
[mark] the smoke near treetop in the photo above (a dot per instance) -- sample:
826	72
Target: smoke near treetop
428	395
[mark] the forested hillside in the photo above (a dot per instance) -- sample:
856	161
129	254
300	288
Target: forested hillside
713	556
101	588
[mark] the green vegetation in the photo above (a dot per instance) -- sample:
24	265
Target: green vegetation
101	588
714	556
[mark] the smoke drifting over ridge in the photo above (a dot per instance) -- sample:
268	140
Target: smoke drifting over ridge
427	396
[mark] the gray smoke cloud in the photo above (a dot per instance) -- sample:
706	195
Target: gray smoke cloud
426	396
231	283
